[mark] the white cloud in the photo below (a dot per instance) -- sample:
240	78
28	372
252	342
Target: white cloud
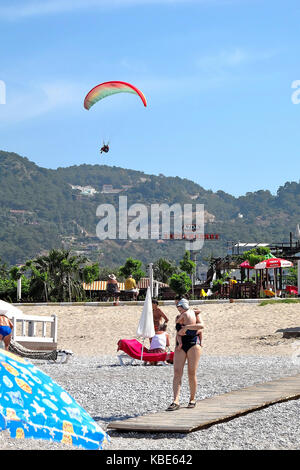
230	59
28	9
222	60
37	100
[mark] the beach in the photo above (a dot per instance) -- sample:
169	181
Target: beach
230	328
242	345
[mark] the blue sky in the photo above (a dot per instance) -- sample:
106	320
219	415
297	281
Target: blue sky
217	75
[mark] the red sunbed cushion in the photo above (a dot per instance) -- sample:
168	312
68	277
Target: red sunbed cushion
133	348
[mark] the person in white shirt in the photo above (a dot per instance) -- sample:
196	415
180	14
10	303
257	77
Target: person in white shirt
159	342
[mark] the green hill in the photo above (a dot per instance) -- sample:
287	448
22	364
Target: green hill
42	209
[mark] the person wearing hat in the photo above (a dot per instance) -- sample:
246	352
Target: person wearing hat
198	320
187	324
112	288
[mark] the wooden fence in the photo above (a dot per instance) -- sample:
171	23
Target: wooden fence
245	290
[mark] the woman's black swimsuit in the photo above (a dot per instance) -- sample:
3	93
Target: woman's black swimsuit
189	339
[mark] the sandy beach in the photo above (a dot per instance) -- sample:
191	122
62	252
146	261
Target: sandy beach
242	346
230	329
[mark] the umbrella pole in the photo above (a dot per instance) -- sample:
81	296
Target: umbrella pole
142	351
275	282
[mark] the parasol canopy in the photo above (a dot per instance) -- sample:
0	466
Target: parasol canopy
32	405
246	265
273	263
10	310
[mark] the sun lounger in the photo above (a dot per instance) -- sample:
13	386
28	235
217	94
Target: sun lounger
61	356
133	349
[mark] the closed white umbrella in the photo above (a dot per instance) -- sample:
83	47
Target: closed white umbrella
146	325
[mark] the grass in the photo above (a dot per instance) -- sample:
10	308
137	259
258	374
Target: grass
282	301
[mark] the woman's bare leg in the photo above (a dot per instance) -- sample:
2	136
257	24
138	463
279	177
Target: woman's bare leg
193	356
179	361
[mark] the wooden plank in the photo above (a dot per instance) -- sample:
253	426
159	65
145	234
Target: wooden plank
215	409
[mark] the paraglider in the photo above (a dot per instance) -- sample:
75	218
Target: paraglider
110	88
104	148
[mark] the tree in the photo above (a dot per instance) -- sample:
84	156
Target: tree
3	270
132	266
105	271
15	273
256	255
180	283
59	273
91	273
186	264
163	270
292	277
40	282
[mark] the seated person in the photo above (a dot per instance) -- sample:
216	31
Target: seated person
112	287
130	286
159	342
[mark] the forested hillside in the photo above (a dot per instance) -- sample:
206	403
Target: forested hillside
42	209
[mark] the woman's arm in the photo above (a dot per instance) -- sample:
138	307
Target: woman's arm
180	317
195	326
199	320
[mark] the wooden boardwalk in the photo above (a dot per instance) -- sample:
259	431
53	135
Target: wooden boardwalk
214	410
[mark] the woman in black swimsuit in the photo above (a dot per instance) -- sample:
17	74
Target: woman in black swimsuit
190	350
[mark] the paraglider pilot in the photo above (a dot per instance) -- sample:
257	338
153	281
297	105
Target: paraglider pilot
104	148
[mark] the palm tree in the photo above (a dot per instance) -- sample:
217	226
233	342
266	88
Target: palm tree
60	273
40	284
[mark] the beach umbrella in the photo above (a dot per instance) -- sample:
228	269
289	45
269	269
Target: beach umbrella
246	265
146	325
273	263
33	406
10	310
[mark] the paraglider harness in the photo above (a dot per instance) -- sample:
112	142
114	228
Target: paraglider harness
104	148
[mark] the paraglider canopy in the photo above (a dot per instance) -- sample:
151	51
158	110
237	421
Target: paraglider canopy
110	88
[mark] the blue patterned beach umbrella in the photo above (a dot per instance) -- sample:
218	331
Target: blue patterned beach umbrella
32	405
